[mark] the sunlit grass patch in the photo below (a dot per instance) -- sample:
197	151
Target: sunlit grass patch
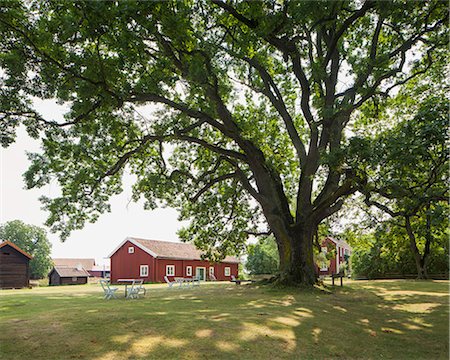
370	320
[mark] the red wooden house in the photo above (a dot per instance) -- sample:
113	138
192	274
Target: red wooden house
152	260
341	253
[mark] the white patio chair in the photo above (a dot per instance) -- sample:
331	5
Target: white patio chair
140	287
212	277
196	281
170	283
133	292
110	292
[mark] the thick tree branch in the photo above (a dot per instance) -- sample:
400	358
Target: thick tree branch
273	93
211	183
344	27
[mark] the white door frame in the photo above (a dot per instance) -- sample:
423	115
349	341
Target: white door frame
204	272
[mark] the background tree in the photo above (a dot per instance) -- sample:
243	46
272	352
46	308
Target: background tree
263	257
385	251
253	101
405	174
33	240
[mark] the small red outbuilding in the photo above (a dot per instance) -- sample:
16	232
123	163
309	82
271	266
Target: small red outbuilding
342	252
151	260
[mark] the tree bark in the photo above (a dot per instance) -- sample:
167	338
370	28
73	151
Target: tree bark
297	265
421	260
302	269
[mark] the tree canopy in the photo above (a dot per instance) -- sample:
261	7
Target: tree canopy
404	167
250	105
33	240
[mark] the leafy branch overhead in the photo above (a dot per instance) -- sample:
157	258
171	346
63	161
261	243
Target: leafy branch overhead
250	101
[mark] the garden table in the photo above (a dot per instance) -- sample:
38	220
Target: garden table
126	282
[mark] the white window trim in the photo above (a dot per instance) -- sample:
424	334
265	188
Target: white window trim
130	249
188	270
211	270
170	267
227	271
141	273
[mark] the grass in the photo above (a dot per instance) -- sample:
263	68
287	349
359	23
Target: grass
363	320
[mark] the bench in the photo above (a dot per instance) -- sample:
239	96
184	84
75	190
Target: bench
239	281
336	276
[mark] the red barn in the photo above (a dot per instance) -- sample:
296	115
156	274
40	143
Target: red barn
151	260
341	251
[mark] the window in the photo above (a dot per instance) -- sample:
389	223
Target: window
131	250
170	270
227	271
324	249
74	279
188	270
144	270
211	271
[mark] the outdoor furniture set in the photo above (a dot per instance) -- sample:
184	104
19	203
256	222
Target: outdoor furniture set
183	282
134	292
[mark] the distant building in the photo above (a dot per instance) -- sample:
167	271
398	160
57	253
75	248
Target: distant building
341	253
152	260
87	264
14	266
65	275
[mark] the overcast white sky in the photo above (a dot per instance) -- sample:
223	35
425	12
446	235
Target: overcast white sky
95	240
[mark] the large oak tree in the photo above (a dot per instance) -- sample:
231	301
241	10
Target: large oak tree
253	99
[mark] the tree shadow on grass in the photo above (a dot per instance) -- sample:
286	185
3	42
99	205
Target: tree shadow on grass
237	323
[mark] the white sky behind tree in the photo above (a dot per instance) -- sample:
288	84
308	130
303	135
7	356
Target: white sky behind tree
97	240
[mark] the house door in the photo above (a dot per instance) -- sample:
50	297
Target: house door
200	273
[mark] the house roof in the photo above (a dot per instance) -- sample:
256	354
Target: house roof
15	247
66	271
170	250
340	243
87	264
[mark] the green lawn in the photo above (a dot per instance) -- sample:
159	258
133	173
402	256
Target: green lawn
365	319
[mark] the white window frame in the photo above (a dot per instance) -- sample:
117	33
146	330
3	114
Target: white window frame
172	272
188	270
227	271
145	272
130	249
211	270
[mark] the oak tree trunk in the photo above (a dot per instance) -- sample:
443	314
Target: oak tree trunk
297	265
